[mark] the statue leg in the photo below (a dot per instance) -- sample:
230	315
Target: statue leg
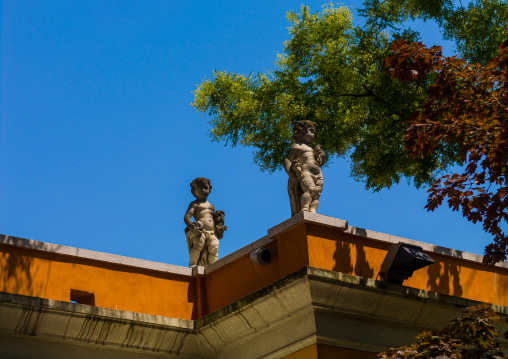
307	185
213	249
306	201
198	242
316	193
314	205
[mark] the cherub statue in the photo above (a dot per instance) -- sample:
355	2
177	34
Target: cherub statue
203	235
303	165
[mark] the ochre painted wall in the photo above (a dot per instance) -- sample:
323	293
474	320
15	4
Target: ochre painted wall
292	247
237	279
462	278
332	249
310	352
46	275
324	351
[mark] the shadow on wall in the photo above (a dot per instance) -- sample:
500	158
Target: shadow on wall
195	296
444	278
350	257
17	269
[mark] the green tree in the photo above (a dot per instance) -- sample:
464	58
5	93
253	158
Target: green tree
471	336
332	73
476	28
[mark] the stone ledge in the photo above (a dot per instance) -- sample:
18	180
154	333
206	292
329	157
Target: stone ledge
129	261
242	252
343	310
93	255
342	225
426	246
307	217
309	306
302	217
83	309
344	280
59	325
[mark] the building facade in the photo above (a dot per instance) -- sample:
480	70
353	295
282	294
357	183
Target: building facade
319	296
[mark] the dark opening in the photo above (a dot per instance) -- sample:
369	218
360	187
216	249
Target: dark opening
266	256
82	297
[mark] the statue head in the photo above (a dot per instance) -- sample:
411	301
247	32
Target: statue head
303	131
199	182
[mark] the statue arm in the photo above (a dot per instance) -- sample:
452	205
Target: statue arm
291	164
319	155
291	155
219	218
188	217
287	165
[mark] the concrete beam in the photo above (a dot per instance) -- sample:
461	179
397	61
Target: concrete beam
29	324
310	306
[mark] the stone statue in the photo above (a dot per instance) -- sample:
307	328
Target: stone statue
203	235
303	165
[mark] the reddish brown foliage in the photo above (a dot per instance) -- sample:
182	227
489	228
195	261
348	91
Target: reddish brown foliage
467	106
471	336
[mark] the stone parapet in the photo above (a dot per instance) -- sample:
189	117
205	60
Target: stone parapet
51	271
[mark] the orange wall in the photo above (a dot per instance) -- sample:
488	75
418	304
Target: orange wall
41	274
237	279
332	249
324	351
463	279
48	275
292	247
306	353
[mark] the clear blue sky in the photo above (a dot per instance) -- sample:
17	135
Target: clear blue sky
98	141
